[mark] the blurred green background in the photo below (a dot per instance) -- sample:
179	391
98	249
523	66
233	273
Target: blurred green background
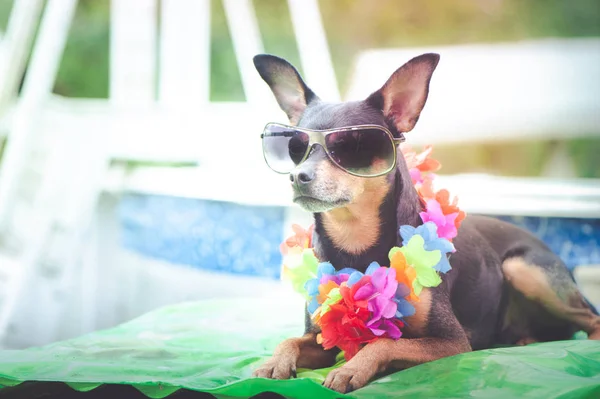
356	25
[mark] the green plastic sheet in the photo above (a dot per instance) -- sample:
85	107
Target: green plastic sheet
214	346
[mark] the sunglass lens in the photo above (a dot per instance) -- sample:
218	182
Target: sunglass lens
284	147
365	152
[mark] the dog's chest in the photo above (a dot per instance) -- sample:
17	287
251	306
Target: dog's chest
326	252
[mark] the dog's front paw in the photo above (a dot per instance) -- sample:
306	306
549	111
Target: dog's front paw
346	379
277	368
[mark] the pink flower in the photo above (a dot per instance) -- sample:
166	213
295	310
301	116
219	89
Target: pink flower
416	175
385	284
446	227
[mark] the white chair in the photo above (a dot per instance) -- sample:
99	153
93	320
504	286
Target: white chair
59	150
19	168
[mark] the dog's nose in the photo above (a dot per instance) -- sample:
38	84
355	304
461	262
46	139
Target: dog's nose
302	176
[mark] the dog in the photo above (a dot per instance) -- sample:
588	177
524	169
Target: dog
505	286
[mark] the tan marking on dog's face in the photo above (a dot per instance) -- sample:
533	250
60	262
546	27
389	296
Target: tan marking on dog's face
416	325
354	227
331	188
334	183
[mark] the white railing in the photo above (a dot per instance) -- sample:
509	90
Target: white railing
483	93
14	46
156	111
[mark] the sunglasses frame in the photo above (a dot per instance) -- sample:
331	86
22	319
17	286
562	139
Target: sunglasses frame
318	137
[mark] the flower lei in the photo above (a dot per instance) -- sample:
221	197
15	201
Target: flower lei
353	308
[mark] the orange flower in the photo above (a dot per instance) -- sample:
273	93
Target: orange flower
405	274
427	164
324	290
421	160
443	197
425	189
301	239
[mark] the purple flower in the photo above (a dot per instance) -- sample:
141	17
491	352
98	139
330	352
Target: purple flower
380	292
383	326
355	275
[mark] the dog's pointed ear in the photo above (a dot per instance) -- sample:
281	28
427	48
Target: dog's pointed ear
403	96
292	94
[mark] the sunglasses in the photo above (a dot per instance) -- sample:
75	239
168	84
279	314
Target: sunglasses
364	150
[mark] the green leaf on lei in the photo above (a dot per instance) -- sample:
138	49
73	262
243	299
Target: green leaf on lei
333	297
392	252
423	262
310	261
301	268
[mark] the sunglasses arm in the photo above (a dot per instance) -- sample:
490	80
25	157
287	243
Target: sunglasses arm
399	140
289	133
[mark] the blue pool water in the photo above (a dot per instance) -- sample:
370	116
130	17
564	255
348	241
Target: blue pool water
210	235
244	240
576	241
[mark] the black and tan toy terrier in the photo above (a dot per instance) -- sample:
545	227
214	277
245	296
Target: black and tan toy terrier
506	286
